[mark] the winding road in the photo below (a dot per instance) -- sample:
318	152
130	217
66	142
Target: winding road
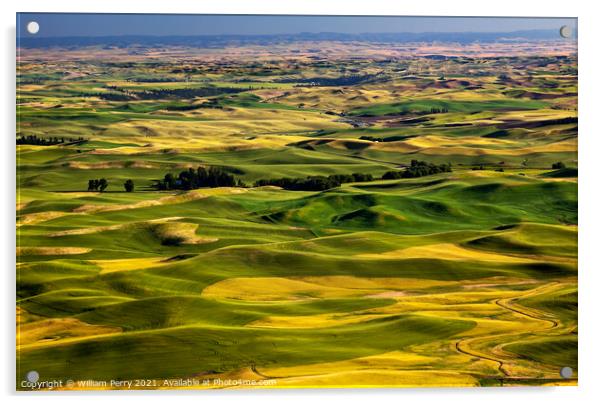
465	345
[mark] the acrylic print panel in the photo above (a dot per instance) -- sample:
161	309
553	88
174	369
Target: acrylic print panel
209	201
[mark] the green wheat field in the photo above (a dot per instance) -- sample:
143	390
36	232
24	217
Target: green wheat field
297	215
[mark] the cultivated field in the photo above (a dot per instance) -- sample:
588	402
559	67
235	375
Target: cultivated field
461	272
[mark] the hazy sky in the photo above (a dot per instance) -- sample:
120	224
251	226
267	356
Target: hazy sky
52	25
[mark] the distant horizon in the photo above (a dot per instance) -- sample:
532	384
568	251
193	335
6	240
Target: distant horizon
297	33
226	40
76	25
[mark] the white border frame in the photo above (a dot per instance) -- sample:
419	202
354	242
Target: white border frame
590	142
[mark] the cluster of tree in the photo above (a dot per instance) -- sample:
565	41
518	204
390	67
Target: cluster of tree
417	169
355	177
112	96
97	185
315	183
128	185
202	177
47	141
481	167
331	81
558	165
186	93
122	94
151	79
372	138
439	110
21	82
394	138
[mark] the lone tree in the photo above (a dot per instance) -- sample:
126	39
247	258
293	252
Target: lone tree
129	186
558	165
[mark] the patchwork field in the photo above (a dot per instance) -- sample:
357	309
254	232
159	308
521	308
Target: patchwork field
433	244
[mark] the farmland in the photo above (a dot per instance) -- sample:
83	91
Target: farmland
464	276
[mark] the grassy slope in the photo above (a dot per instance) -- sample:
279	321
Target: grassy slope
353	291
75	288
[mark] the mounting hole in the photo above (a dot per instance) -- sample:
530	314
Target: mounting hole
565	31
33	376
33	27
566	372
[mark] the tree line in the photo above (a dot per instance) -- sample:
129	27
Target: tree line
202	177
418	169
213	177
331	81
47	141
315	183
124	94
